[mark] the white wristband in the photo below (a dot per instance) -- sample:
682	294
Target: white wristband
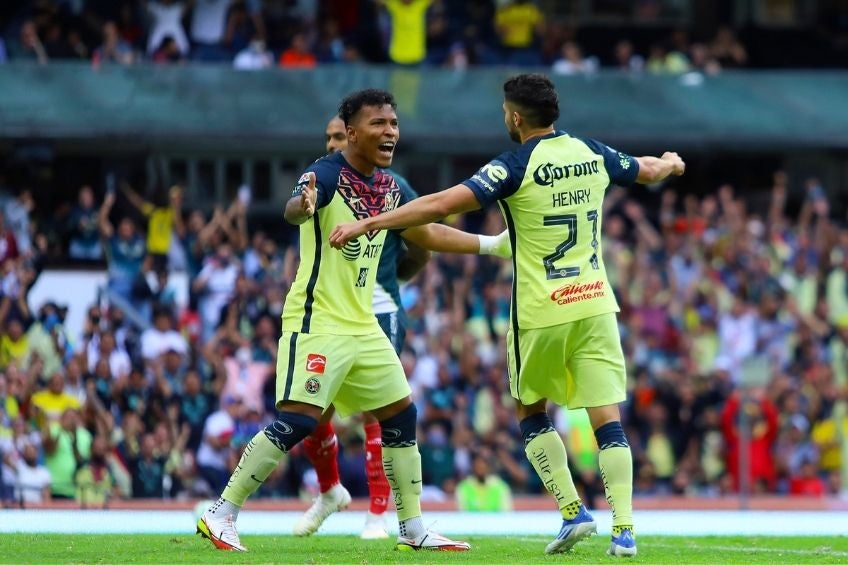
487	244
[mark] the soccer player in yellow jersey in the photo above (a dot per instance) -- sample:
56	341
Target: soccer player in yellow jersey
332	349
563	343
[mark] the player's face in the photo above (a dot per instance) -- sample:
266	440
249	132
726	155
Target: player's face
374	133
509	121
336	136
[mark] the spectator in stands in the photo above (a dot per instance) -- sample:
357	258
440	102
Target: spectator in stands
17	212
8	241
483	491
298	55
147	469
125	250
94	479
662	60
166	28
67	445
572	61
215	453
207	30
164	218
727	50
762	416
254	57
168	52
105	347
32	480
702	60
408	39
82	227
215	285
517	23
626	59
162	337
52	402
29	46
113	49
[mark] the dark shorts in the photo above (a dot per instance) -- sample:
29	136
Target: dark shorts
394	328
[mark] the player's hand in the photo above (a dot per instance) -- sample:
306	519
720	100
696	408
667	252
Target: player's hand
676	161
502	247
308	196
344	233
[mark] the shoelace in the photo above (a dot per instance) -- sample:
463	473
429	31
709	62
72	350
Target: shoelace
229	529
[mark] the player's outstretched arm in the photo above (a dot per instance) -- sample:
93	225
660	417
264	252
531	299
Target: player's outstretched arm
413	260
424	210
653	169
442	238
301	205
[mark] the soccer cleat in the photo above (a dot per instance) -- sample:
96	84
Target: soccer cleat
375	527
624	544
431	541
574	530
335	499
220	531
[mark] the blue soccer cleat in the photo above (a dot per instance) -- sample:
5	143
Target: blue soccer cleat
624	544
576	529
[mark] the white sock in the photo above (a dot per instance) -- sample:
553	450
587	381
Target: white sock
224	508
411	527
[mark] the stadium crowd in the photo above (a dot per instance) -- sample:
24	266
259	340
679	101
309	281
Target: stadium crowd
256	34
156	400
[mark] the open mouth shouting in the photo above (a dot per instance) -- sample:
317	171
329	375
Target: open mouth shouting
386	149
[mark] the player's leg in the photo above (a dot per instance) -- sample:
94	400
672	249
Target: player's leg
322	450
537	371
377	384
616	463
378	487
599	386
301	399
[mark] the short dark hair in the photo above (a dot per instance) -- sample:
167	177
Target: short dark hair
536	98
353	103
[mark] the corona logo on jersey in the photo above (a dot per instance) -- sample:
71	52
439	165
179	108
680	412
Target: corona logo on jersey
316	363
575	292
548	173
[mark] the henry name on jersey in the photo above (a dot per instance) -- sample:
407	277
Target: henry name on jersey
548	174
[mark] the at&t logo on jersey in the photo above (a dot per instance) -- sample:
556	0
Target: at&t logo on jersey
576	292
316	363
352	250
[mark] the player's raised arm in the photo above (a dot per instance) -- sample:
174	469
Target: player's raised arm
653	169
424	210
301	205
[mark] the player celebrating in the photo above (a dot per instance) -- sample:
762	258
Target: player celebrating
321	446
332	349
563	343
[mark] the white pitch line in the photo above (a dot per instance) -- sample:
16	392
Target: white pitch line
739	549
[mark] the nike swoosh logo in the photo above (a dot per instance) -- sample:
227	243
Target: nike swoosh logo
416	482
255	479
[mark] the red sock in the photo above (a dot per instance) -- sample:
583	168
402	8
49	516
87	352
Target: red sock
322	450
378	486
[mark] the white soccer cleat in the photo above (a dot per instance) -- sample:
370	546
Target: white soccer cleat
335	499
375	527
220	531
431	541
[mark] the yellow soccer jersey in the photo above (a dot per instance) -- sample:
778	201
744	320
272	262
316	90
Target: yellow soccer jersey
333	290
551	192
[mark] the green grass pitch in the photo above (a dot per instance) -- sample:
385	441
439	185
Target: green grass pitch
515	550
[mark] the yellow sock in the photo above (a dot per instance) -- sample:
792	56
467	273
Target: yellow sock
616	465
403	471
546	453
259	459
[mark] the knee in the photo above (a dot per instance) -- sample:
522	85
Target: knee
399	430
288	429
